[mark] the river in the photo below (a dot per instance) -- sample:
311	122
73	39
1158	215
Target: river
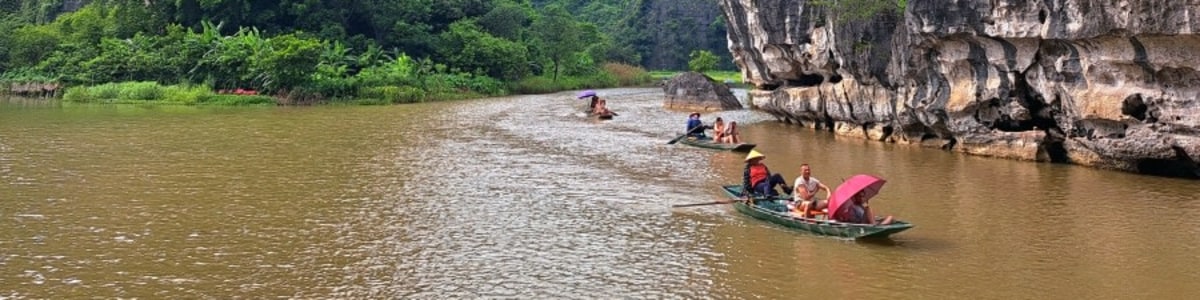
520	197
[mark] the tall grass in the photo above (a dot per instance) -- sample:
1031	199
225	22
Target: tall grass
719	76
610	75
151	92
628	75
733	77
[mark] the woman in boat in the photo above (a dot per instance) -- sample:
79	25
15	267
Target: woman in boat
731	135
758	179
858	211
601	108
718	130
592	106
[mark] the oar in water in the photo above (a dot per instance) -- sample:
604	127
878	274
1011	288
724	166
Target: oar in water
706	203
676	139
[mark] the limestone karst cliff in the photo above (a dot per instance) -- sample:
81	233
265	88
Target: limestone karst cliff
1104	83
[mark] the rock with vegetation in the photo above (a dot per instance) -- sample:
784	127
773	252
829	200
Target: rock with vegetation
1097	83
696	91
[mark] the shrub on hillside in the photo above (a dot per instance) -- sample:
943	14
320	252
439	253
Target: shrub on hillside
225	99
144	91
627	75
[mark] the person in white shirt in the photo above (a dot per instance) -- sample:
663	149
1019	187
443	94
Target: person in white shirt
805	191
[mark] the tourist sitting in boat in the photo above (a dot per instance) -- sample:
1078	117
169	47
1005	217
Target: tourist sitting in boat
601	108
693	123
805	192
858	211
592	105
718	130
758	179
730	135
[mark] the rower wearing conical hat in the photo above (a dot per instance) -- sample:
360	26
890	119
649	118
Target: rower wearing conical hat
754	155
695	127
761	183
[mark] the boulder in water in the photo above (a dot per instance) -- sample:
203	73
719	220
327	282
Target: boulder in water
696	91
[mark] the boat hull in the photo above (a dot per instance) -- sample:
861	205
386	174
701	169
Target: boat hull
708	143
820	227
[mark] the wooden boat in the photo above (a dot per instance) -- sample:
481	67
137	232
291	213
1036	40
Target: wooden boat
817	225
708	143
604	116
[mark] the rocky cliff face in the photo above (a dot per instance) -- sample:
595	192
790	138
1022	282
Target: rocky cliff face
673	29
1105	83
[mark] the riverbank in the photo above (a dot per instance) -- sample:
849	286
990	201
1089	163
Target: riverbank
431	89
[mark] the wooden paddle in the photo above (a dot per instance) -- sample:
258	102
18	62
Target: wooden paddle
680	137
706	203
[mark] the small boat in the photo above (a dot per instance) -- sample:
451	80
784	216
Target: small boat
816	225
708	143
607	116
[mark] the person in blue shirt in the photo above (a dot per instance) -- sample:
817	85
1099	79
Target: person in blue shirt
692	124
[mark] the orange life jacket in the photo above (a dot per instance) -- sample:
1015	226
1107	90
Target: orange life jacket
758	173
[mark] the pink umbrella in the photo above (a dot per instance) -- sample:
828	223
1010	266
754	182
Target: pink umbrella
867	185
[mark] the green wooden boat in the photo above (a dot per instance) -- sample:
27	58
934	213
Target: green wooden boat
604	116
709	144
816	226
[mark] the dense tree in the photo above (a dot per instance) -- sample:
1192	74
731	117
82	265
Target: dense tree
467	46
702	61
558	36
345	47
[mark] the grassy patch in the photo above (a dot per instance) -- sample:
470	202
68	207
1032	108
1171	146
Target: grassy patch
734	77
610	75
153	93
719	76
223	99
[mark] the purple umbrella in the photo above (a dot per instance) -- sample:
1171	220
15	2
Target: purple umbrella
587	93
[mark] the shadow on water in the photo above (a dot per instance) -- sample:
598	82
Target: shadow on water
908	243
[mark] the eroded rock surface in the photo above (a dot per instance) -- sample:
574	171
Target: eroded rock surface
1104	83
695	91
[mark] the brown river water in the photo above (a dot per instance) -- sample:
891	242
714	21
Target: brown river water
521	197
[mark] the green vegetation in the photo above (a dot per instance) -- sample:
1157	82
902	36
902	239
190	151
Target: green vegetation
719	76
702	61
148	92
293	51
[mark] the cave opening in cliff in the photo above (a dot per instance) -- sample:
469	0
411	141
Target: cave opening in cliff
1054	151
1042	116
828	121
1135	107
1182	166
806	80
